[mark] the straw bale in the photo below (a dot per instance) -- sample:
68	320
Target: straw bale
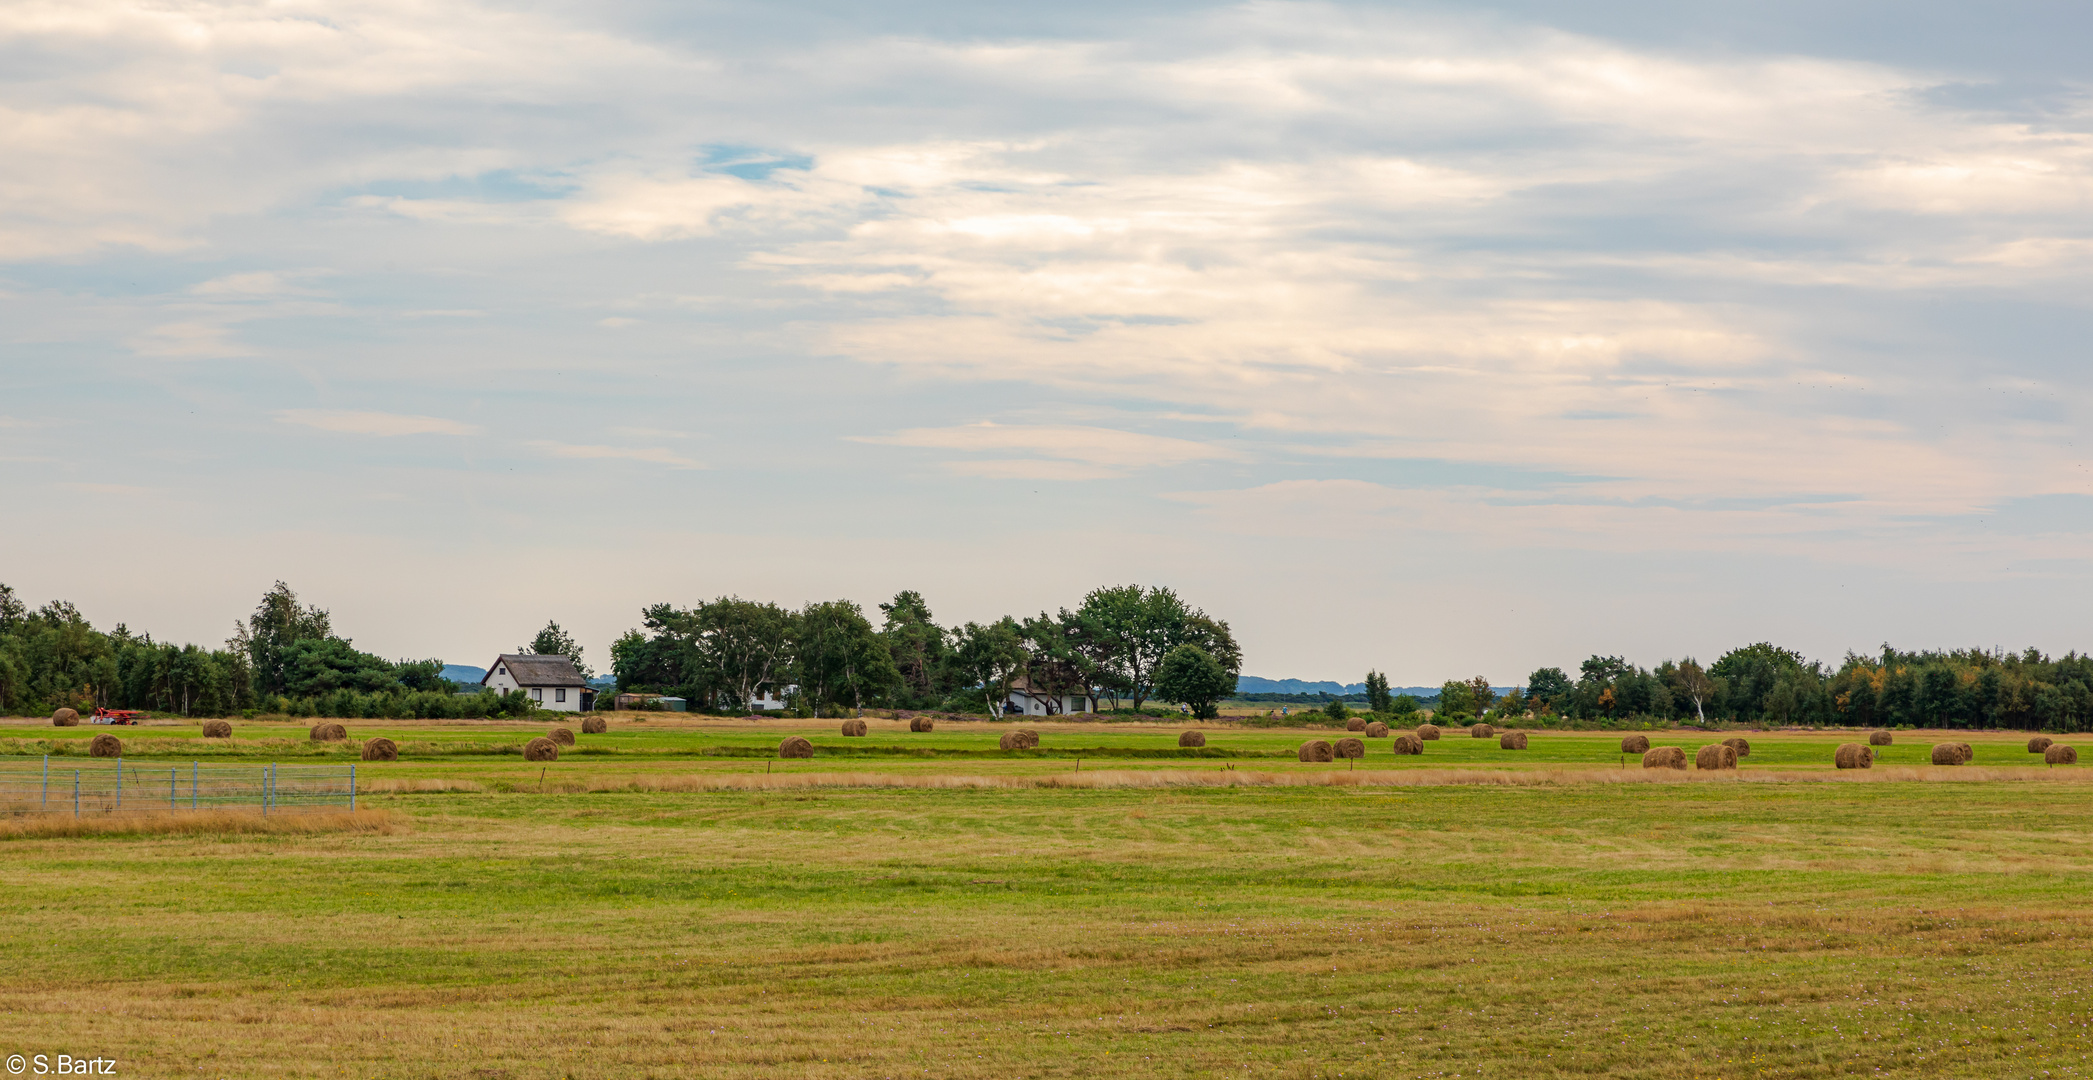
1349	748
1356	723
1635	744
921	723
1948	753
855	728
65	718
1853	756
1880	738
1377	730
1317	750
381	750
563	736
1482	731
795	747
1716	756
1512	740
105	746
327	733
1427	732
1192	738
217	729
2039	743
1665	757
1741	745
1409	744
2059	754
541	749
594	725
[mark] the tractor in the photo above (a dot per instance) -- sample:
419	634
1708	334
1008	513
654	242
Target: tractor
118	716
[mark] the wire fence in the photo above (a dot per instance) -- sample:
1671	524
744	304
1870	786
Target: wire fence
113	787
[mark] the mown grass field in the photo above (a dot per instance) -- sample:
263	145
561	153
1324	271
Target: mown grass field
1558	920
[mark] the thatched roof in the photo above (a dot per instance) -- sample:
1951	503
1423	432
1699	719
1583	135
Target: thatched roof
537	670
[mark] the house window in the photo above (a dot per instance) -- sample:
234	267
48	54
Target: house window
537	693
559	695
1075	704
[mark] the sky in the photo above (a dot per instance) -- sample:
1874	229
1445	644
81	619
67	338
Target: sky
1440	339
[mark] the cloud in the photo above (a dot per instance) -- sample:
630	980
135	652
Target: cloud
1101	452
655	455
374	423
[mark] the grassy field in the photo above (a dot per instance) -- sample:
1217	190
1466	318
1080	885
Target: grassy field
655	911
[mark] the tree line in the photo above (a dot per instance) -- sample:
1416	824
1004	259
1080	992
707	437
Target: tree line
284	658
1128	643
1765	684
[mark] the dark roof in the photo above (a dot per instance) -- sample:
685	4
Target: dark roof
537	670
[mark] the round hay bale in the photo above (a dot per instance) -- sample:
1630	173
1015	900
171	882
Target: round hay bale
1192	738
1665	757
65	718
1635	744
327	733
2059	754
921	723
1967	752
855	728
217	729
2039	744
1880	738
1009	741
541	749
1409	744
1947	753
1377	730
1716	756
105	746
794	746
1512	740
1357	723
1481	731
1317	750
1349	748
594	725
1427	732
1027	738
1853	756
563	736
1740	745
381	750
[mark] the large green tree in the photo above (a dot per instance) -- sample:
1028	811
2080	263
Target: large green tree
838	658
553	641
919	647
1196	678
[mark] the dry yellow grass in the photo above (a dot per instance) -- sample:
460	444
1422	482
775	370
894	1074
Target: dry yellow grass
197	823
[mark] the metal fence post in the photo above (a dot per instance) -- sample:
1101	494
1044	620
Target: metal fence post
76	793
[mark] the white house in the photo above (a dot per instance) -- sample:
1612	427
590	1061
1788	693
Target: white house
551	681
1025	701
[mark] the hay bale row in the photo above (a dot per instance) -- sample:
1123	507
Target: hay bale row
327	733
541	749
1317	750
105	746
1880	738
2039	744
562	736
381	750
594	725
1740	745
1192	738
1377	730
1349	748
795	747
217	729
1512	740
1427	732
65	718
1635	744
1951	753
1356	723
1853	756
2059	754
921	723
1715	756
1481	731
1409	744
1664	757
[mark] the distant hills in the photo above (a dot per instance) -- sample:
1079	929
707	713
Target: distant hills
464	673
1251	684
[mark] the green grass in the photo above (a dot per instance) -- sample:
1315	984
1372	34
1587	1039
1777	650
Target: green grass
1693	929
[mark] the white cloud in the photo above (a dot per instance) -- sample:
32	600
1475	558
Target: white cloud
374	423
1101	452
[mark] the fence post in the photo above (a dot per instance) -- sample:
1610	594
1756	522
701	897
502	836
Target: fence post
119	783
173	775
193	770
352	789
76	793
46	804
268	773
